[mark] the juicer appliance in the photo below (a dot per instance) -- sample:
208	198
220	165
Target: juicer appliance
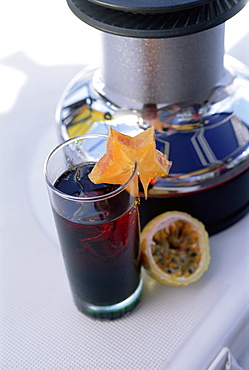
163	64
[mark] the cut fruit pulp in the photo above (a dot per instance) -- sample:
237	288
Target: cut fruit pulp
175	248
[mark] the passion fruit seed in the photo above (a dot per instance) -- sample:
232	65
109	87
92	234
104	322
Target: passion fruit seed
175	249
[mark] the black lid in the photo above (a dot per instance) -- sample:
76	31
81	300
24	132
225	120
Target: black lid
154	18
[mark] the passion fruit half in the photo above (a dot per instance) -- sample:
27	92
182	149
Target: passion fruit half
175	248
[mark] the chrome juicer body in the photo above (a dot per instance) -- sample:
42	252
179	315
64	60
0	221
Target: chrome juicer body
164	65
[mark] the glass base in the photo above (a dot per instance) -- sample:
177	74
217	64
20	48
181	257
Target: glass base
114	311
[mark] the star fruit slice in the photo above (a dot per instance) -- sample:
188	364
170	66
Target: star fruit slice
122	152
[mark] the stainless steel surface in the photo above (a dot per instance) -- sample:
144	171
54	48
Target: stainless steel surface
213	137
178	69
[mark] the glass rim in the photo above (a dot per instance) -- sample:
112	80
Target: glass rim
111	194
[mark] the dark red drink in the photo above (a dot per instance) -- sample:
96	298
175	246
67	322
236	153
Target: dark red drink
100	244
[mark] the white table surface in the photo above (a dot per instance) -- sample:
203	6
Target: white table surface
42	47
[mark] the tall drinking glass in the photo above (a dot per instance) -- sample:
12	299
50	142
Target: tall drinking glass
98	228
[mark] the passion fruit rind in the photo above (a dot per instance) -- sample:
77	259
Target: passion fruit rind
175	248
